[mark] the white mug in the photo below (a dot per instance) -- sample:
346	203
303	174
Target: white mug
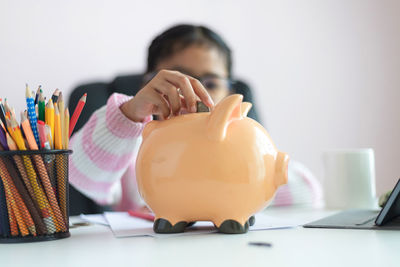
349	180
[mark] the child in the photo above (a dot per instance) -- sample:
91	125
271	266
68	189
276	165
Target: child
185	63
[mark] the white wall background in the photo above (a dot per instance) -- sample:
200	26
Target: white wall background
326	73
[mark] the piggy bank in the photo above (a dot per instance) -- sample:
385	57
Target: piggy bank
217	166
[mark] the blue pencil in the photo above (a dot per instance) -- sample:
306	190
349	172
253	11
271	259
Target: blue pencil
4	225
30	103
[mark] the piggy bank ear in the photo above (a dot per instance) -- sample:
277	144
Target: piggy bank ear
149	128
225	112
246	106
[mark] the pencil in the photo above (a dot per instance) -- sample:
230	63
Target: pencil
42	133
49	161
7	108
3	136
11	216
12	195
32	114
60	105
42	202
76	114
59	220
61	176
50	120
41	106
37	94
57	129
20	165
21	196
55	95
2	113
66	129
141	215
62	183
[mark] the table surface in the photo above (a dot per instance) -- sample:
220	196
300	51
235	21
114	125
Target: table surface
95	245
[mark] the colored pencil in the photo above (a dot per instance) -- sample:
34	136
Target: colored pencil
11	216
32	114
141	215
59	220
76	114
7	108
3	136
25	205
61	175
2	113
66	129
45	208
37	94
61	109
49	118
42	106
55	95
20	165
13	197
42	133
57	128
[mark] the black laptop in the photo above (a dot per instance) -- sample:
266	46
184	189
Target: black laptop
388	218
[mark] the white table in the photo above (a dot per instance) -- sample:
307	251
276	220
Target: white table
95	245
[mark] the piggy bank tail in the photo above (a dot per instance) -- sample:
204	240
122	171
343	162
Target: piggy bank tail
281	169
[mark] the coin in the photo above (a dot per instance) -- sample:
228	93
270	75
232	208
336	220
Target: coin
201	107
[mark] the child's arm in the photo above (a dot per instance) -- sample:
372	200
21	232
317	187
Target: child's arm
103	150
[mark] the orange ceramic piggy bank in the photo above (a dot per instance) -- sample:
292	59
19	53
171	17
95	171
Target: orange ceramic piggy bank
217	166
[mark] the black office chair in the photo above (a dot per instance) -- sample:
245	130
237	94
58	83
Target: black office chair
98	93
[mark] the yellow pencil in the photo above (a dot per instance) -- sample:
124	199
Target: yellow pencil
50	119
60	104
66	129
57	129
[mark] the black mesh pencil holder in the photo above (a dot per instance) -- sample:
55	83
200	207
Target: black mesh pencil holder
33	195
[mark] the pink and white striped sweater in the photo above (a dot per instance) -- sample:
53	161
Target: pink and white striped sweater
102	166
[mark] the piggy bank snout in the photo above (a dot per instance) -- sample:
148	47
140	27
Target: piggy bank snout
281	169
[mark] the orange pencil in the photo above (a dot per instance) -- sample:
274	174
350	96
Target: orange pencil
59	220
21	167
42	202
15	199
76	114
11	216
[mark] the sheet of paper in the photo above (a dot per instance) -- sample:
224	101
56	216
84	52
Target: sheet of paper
124	225
94	218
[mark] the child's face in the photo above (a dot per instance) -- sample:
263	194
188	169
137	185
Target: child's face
202	62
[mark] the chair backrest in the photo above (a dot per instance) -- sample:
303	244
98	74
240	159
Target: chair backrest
98	93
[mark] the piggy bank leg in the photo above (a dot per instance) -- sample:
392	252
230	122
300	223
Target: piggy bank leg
233	227
252	220
163	226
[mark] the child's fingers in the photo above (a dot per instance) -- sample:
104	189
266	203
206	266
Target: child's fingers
182	82
171	94
201	92
161	106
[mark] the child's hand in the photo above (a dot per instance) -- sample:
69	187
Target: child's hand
161	96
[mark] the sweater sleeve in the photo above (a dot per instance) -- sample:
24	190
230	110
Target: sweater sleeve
103	150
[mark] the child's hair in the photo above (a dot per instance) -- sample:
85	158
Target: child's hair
181	36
